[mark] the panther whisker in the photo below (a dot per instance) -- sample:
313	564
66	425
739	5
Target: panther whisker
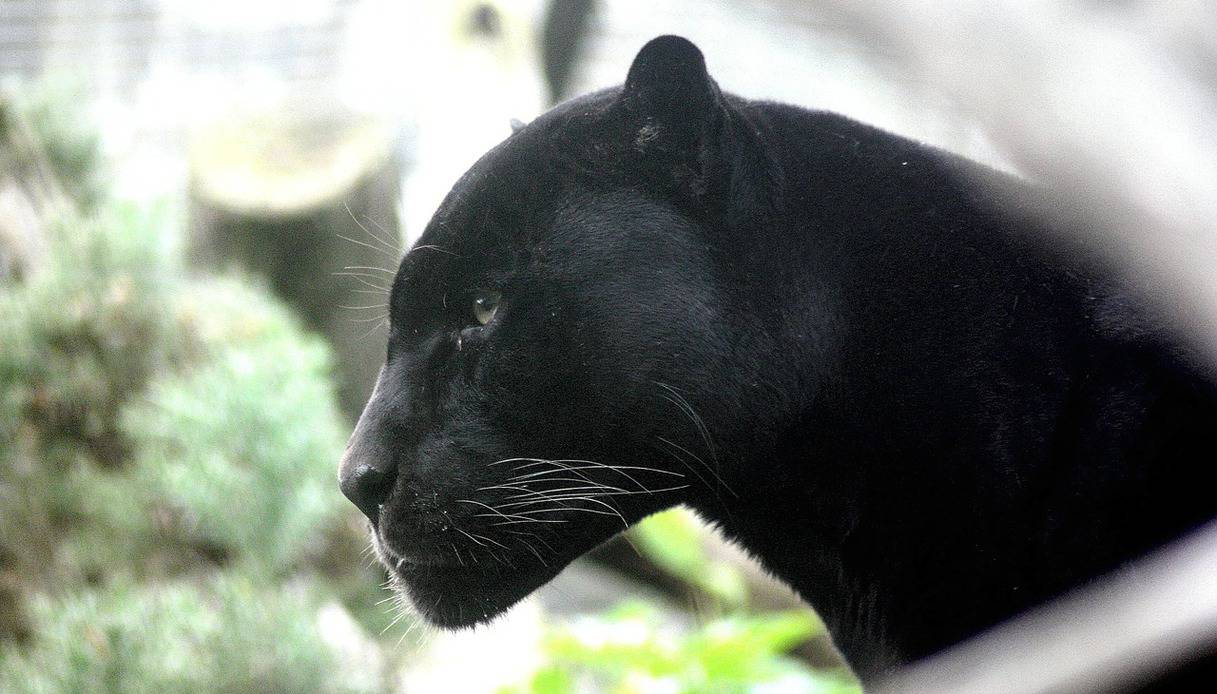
361	279
530	520
475	540
559	467
511	518
391	273
614	512
589	488
375	327
395	620
681	402
387	243
594	465
619	469
398	246
493	510
560	504
535	536
437	249
560	509
516	460
413	625
384	247
499	559
378	249
534	502
492	541
709	469
521	480
539	477
574	491
503	486
535	553
526	482
363	274
699	424
560	462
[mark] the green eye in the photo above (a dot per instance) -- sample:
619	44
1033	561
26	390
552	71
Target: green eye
485	304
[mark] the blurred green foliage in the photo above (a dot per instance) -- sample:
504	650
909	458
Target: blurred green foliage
79	338
675	541
633	651
226	634
255	421
66	140
167	450
636	649
146	413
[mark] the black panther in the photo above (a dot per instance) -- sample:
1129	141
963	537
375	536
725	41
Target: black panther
871	363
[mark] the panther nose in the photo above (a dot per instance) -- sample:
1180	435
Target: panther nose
368	469
366	486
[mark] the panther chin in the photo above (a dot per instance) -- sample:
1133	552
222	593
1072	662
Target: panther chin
460	594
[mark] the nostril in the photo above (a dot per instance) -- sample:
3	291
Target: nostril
367	488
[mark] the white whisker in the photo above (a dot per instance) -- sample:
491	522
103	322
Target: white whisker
387	271
385	245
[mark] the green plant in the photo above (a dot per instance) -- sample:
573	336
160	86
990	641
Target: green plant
227	634
78	339
632	651
167	446
675	541
255	421
66	141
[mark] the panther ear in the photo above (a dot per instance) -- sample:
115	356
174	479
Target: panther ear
690	141
676	118
669	85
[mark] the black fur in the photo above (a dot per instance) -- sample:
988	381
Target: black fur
862	358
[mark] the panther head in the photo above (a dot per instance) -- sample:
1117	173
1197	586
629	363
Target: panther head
568	344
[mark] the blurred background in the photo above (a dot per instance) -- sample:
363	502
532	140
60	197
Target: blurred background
201	205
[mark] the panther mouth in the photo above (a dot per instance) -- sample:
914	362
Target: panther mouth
395	561
395	556
460	558
452	594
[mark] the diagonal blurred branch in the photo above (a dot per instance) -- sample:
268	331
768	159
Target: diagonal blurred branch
1132	626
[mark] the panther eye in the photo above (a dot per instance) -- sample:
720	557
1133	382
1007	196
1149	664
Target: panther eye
485	304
